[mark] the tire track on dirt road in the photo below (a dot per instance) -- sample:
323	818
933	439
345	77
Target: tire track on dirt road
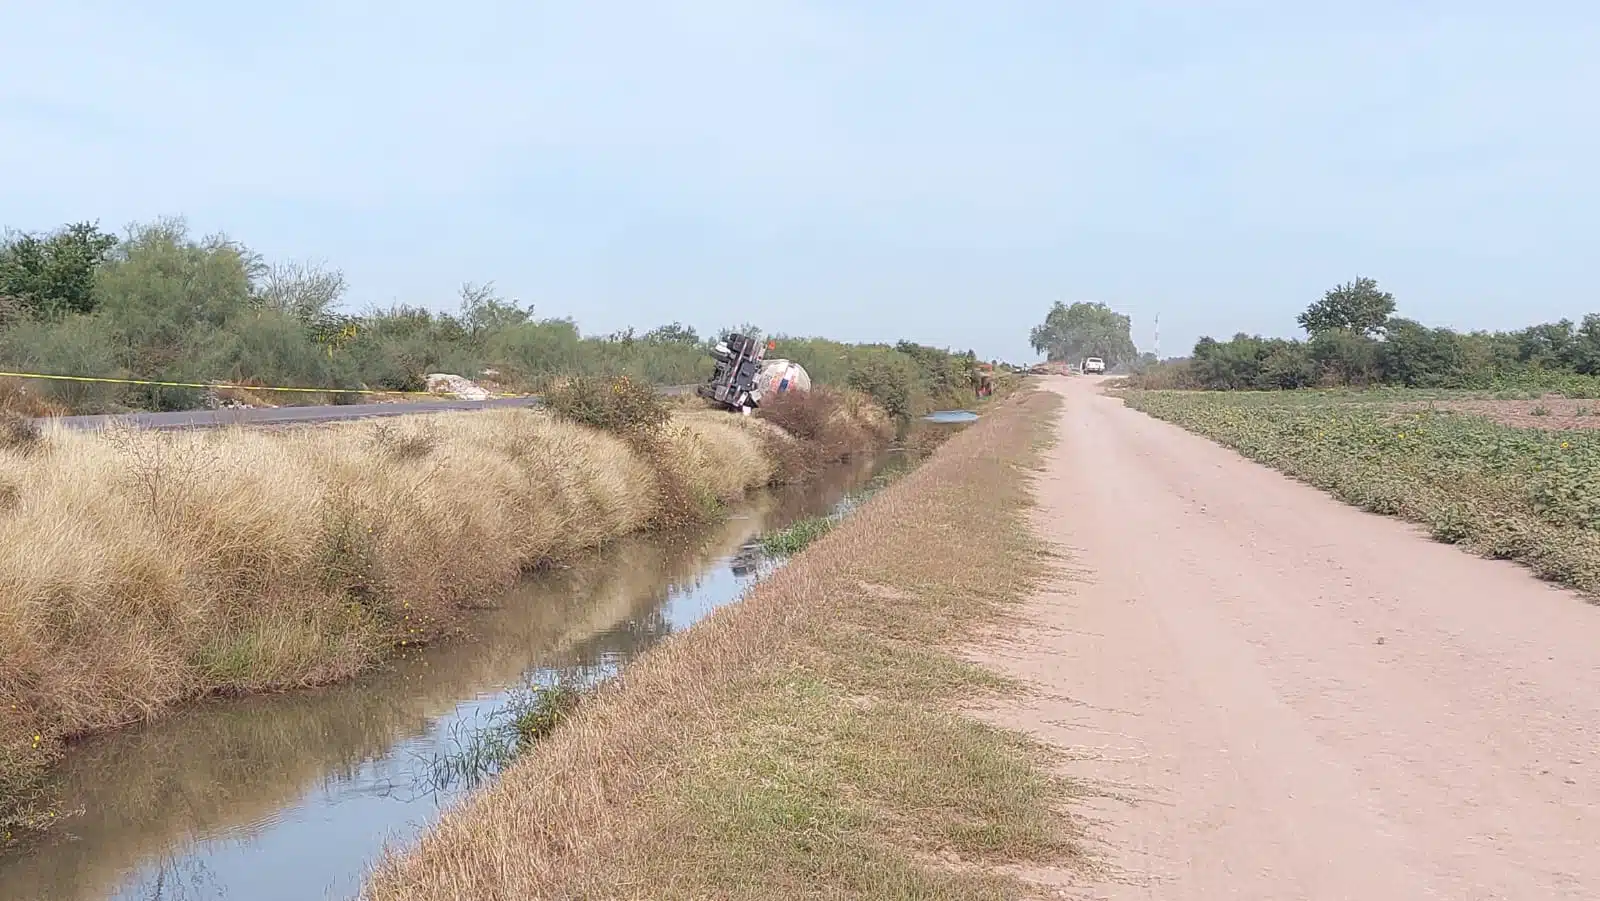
1295	699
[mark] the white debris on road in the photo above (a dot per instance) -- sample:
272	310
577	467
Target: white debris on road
456	386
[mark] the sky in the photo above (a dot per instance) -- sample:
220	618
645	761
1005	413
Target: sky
868	171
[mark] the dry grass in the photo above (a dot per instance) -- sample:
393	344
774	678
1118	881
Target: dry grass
279	747
819	427
139	569
805	743
17	396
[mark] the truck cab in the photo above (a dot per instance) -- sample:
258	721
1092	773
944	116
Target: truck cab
734	382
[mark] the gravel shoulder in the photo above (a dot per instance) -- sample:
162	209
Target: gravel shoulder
1275	695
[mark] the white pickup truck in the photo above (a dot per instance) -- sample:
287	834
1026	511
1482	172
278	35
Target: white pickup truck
1094	366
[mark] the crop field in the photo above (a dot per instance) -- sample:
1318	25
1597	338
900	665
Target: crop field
1466	467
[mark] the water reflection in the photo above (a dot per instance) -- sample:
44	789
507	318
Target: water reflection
951	416
291	795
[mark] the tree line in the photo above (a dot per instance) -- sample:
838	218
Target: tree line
160	303
1070	334
1354	338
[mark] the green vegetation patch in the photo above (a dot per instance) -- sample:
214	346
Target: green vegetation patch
621	406
481	751
161	303
790	540
812	780
1354	338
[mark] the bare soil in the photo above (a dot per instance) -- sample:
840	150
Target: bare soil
1552	413
1277	696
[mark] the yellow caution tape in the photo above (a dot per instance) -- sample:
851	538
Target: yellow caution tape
220	385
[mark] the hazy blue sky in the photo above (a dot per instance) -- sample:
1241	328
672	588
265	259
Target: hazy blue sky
940	171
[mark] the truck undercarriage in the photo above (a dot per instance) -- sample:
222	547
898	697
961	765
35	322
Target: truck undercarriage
734	383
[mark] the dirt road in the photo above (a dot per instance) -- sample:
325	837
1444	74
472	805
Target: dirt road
1276	696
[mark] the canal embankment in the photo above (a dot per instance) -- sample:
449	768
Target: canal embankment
809	740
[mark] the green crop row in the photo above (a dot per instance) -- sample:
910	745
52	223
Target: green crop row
1521	494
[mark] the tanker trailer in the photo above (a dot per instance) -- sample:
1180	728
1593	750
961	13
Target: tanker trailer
779	376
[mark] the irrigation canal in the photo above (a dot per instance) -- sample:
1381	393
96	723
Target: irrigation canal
294	795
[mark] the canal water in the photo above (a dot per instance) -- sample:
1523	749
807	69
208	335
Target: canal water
294	795
951	417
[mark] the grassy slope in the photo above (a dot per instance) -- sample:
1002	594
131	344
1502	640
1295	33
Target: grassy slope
1522	494
806	742
279	747
139	569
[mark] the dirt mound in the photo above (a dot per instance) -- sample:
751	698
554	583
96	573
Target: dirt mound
455	386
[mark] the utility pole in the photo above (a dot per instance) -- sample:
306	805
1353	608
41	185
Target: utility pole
1158	337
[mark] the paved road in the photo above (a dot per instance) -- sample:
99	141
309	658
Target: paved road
197	419
1282	697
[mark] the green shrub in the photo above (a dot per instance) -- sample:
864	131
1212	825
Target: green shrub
72	345
266	347
538	711
890	386
166	305
618	405
905	380
796	536
1560	357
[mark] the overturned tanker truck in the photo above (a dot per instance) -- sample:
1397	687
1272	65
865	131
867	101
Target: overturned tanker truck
743	376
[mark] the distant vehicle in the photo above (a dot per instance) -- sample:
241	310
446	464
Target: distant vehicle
1094	366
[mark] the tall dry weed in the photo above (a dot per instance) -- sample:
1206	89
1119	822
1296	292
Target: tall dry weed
16	397
18	433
